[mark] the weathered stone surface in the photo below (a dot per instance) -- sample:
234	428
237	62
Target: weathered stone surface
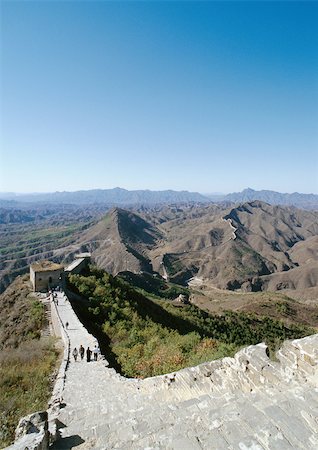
32	424
32	432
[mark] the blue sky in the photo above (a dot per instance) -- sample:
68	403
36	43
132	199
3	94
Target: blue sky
202	96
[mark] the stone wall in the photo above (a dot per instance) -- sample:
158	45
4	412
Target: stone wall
56	400
77	266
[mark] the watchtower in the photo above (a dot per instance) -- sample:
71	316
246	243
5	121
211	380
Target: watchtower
46	274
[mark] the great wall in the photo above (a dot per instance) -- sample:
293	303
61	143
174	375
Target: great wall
245	402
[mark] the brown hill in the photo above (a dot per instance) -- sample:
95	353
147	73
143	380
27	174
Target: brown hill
302	277
21	315
305	251
273	231
253	246
236	247
118	242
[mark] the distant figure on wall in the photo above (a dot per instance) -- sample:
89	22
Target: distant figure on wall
66	325
75	353
55	299
96	351
81	351
88	354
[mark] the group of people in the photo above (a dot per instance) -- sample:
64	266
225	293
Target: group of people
81	352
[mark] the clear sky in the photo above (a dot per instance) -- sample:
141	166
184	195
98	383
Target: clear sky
201	96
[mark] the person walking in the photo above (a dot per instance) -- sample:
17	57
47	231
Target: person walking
82	351
66	325
96	352
88	354
75	353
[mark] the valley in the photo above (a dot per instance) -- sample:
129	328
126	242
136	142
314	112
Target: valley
249	247
252	247
250	258
35	232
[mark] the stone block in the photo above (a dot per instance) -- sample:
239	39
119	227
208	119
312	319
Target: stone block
184	443
292	428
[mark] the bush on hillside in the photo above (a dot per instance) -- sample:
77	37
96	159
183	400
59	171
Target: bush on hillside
151	337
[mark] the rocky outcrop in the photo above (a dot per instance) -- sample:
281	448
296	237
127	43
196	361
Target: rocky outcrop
32	432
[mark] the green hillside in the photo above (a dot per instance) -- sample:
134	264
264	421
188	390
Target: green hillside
148	337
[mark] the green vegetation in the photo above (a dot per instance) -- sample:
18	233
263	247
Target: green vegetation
242	328
172	264
151	337
155	286
284	308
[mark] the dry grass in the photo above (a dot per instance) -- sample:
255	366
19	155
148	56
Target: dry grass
21	314
27	361
26	377
288	306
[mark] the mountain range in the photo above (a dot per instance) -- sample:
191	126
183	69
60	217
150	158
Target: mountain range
123	197
305	201
116	196
254	246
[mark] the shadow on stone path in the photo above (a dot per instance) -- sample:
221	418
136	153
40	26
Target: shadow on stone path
67	443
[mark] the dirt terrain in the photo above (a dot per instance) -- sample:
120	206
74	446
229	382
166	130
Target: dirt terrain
249	247
291	306
252	247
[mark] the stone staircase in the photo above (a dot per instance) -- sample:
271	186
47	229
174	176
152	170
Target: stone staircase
248	402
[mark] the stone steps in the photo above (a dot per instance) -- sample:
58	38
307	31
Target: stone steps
237	418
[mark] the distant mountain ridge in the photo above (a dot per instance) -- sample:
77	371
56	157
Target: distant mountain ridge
306	201
123	197
116	196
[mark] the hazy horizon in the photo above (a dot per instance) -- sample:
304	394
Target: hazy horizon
159	190
197	96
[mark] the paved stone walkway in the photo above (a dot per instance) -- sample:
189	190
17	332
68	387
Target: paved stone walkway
246	402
